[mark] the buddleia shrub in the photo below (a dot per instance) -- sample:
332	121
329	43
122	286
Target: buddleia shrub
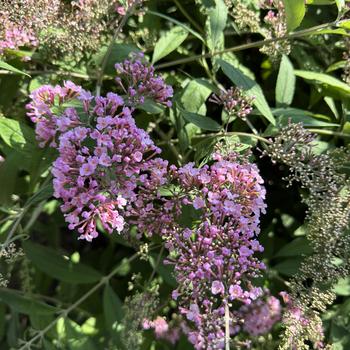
174	175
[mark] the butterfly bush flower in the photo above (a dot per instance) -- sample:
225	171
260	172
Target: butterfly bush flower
45	111
98	169
214	264
261	315
213	258
139	82
103	156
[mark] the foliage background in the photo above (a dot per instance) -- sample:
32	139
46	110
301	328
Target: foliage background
56	269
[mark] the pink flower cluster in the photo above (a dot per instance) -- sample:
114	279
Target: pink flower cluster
102	154
213	256
47	110
14	36
139	82
260	316
170	332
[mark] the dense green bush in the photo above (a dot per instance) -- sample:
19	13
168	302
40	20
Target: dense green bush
204	99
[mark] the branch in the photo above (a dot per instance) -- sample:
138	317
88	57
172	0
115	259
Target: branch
260	43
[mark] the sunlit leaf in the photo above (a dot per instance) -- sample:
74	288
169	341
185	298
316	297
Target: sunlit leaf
169	42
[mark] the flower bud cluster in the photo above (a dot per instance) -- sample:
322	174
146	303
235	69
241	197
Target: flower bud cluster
139	82
60	27
276	23
235	102
15	35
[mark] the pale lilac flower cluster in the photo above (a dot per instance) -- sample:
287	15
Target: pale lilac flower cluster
97	170
235	102
213	258
139	82
261	315
103	156
47	111
15	36
170	332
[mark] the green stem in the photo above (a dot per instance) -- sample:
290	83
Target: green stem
251	126
110	47
260	43
156	263
189	18
167	141
329	132
227	327
48	72
232	133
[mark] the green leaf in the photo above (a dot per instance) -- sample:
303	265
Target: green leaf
119	53
188	29
205	148
319	2
251	87
342	287
18	136
217	17
194	96
289	267
345	23
75	337
151	107
112	307
55	265
10	68
297	247
299	116
285	86
337	65
169	42
295	12
24	304
338	31
201	121
165	271
325	80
